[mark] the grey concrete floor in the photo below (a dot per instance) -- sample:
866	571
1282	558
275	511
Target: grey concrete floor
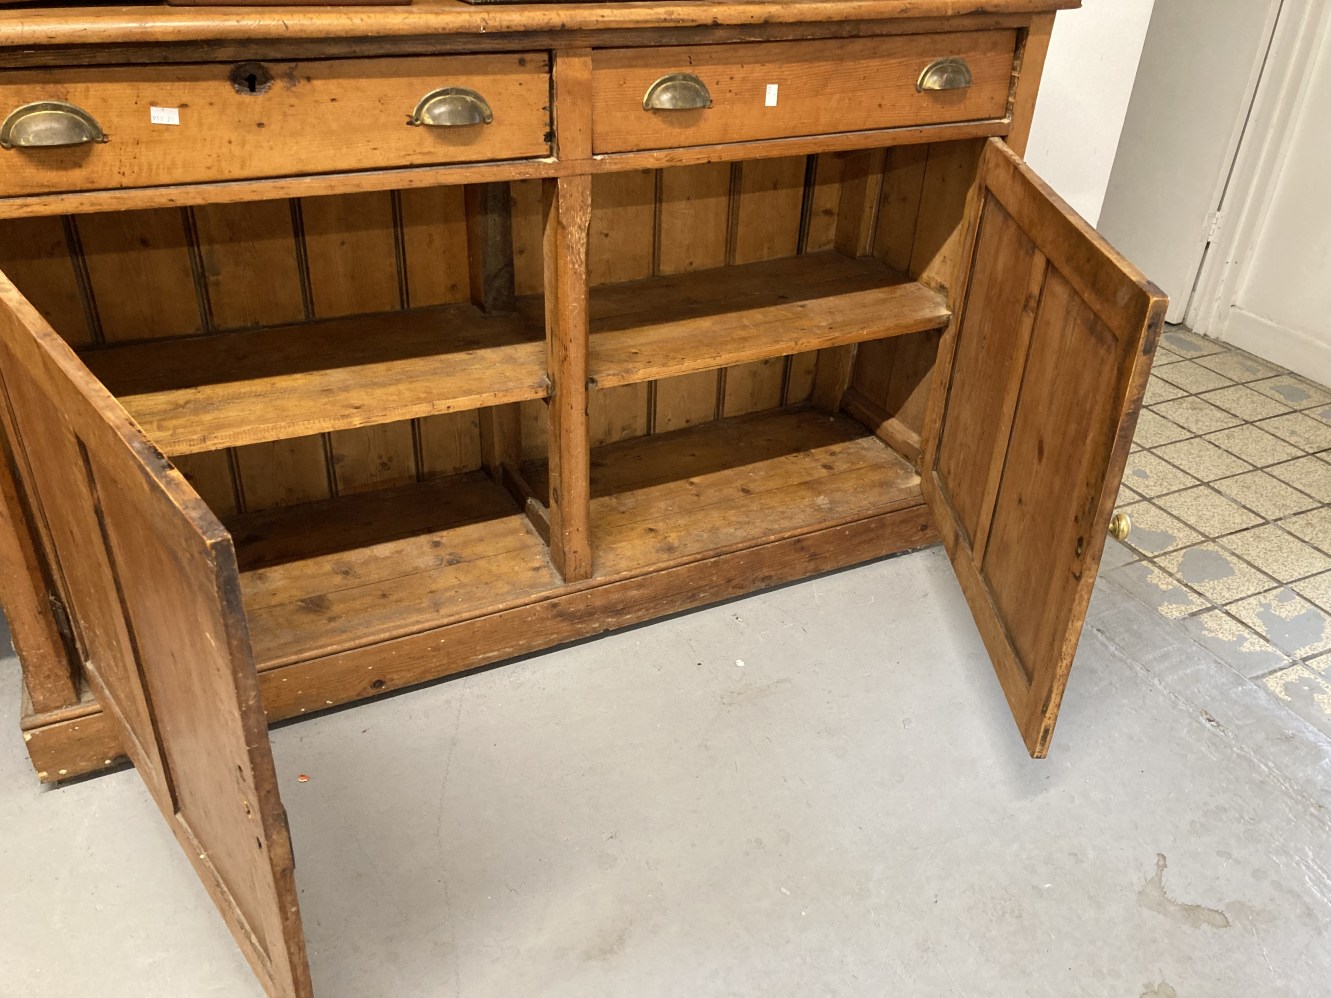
815	791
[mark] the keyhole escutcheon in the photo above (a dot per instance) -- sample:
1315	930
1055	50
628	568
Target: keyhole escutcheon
250	78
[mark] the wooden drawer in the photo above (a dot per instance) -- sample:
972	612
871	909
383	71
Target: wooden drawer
253	120
768	90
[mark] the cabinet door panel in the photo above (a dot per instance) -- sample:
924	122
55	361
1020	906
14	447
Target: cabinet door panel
154	593
1039	382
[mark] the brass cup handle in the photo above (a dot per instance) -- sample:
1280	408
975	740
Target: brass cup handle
452	107
1120	525
951	73
49	123
677	92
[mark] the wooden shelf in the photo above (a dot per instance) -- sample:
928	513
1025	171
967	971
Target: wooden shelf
692	493
323	577
664	326
227	389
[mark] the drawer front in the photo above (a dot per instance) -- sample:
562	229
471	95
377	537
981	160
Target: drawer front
210	122
769	90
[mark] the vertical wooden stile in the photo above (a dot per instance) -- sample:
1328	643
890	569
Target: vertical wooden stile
1029	69
567	208
35	253
894	240
49	672
899	206
857	213
919	230
936	261
525	212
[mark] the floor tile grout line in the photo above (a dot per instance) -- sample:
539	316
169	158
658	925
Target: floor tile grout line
1265	374
1275	583
1150	562
1226	609
1196	528
1153	451
1154	407
1219	538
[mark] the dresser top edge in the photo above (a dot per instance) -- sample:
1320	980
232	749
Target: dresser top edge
26	28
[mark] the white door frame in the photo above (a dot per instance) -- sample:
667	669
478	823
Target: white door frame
1245	200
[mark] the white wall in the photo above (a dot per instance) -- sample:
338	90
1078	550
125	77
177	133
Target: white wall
1088	78
1194	88
1282	309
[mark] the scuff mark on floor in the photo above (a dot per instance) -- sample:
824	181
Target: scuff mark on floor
1161	990
1154	897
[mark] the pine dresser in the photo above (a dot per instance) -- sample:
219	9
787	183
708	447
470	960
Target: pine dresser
342	349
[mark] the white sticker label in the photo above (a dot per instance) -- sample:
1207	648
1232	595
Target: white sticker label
164	115
770	100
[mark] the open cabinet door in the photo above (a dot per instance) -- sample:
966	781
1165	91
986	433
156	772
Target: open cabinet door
1035	399
151	579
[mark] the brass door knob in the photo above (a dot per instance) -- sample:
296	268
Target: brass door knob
677	92
452	107
49	123
1120	525
951	73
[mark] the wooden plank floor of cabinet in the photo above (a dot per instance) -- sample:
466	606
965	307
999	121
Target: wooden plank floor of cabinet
745	480
343	573
321	578
228	389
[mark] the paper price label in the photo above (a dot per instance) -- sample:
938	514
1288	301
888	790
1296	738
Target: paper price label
770	99
164	115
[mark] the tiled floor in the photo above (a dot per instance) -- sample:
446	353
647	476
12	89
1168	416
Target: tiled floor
1228	486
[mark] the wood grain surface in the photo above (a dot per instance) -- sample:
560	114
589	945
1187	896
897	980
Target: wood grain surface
154	581
820	86
1039	383
307	118
135	25
291	381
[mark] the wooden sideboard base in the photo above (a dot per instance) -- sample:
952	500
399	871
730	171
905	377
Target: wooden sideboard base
715	297
79	740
